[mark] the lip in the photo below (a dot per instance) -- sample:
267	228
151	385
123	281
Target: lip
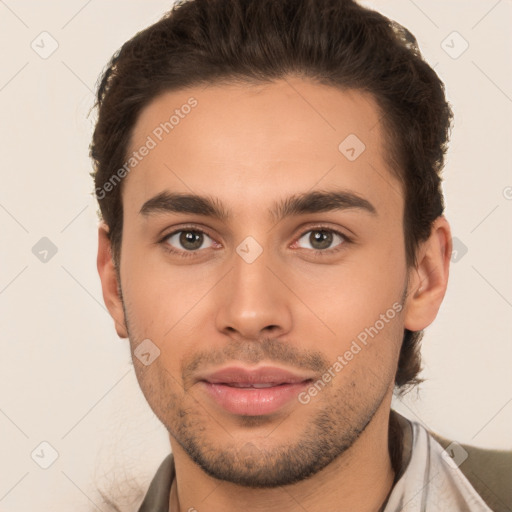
253	392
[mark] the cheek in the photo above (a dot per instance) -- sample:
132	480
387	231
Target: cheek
355	292
358	301
169	307
363	333
157	296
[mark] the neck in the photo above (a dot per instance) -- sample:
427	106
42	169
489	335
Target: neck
359	479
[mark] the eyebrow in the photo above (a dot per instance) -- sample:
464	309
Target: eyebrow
317	201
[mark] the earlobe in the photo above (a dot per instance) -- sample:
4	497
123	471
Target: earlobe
109	282
429	279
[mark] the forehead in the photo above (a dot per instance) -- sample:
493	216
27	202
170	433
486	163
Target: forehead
252	142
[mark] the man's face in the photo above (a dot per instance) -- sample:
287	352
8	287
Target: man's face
251	309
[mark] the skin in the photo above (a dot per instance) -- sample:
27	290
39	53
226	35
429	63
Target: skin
249	146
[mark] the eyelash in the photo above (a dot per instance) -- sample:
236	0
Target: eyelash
316	252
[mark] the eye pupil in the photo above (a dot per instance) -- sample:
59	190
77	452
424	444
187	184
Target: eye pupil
191	239
323	237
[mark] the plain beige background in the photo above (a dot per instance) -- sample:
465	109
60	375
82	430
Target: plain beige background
67	380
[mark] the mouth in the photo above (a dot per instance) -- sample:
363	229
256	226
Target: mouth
257	385
253	392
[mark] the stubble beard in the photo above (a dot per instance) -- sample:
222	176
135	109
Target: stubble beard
338	421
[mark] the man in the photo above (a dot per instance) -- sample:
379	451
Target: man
273	245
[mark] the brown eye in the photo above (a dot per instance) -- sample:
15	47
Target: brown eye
188	240
321	239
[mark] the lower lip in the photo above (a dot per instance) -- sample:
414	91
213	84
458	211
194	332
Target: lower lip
253	401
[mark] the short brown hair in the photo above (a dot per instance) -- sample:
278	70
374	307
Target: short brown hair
332	42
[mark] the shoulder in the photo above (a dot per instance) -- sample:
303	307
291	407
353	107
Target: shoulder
488	471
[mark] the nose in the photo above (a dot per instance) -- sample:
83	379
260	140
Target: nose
253	300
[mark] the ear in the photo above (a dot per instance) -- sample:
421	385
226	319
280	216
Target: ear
429	279
109	282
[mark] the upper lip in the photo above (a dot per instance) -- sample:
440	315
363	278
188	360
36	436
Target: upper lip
261	375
